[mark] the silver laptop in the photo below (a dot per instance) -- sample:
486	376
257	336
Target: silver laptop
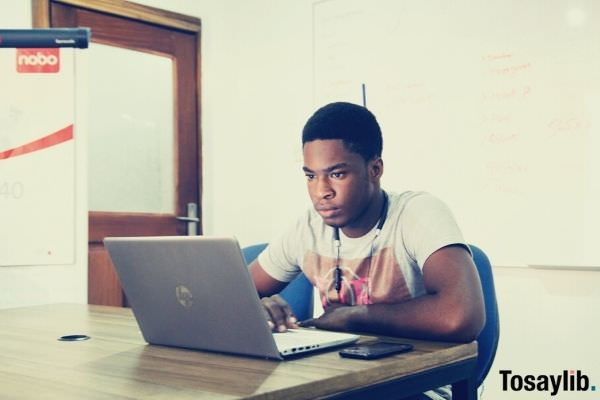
196	292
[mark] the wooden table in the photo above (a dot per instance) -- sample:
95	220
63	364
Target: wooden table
117	363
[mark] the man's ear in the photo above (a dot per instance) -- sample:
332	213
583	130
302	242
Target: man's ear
376	168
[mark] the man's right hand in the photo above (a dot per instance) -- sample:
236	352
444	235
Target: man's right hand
279	314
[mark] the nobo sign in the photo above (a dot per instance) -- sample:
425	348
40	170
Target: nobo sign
38	60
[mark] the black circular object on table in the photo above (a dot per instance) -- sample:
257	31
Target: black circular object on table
73	338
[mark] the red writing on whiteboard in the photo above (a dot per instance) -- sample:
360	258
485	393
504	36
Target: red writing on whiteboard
496	56
502	137
569	126
508	94
38	60
499	169
511	70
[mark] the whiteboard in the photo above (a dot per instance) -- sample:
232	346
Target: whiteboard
37	156
492	106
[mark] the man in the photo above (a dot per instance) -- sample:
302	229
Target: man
386	263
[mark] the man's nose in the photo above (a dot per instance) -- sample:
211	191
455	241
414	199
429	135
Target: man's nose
324	189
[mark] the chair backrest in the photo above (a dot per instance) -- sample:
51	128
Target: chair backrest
298	293
488	338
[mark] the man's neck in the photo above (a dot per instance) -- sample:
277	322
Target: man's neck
367	220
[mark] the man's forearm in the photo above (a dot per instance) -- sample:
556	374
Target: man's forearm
427	317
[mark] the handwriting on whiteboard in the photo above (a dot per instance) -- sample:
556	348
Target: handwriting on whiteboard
511	69
508	93
497	56
500	169
507	177
568	127
502	137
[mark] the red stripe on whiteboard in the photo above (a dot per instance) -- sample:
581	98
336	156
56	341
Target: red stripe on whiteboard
47	141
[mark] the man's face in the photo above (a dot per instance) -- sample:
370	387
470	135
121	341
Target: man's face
340	182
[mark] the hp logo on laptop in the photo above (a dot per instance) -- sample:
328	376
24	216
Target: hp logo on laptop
184	296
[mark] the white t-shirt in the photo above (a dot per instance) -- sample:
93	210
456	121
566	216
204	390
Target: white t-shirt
387	269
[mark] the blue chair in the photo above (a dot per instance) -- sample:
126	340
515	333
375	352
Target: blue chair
488	338
298	293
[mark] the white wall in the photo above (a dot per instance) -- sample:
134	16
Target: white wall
257	94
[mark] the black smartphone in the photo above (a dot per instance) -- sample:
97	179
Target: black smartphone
375	350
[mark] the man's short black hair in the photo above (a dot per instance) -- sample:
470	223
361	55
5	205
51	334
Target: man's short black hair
354	125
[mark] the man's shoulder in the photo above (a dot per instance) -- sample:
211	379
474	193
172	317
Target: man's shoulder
409	194
411	205
400	201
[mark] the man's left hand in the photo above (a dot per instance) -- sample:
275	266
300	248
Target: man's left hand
335	318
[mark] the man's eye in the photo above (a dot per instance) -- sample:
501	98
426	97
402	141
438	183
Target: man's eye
337	175
309	177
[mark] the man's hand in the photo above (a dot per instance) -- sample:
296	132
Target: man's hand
279	314
335	318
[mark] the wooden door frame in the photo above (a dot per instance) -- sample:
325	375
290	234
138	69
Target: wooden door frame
40	10
41	19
